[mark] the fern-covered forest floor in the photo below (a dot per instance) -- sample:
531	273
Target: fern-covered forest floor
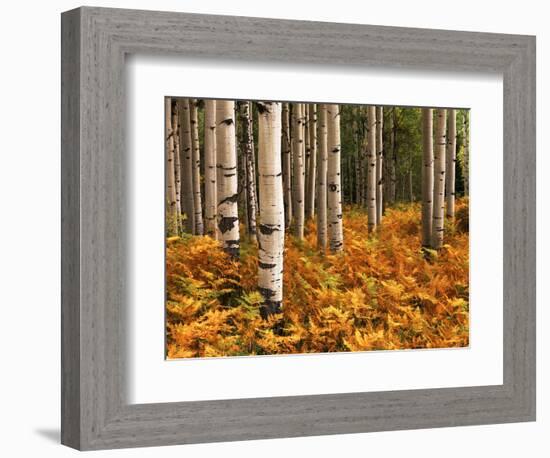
382	293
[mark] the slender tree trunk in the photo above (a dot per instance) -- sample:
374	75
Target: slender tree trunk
322	167
427	176
312	129
371	169
199	227
210	190
177	162
307	158
451	162
379	162
186	159
272	220
334	199
287	164
393	163
298	178
228	213
410	177
466	153
171	203
250	159
439	178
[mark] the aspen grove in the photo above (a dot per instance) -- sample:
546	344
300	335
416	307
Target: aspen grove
298	227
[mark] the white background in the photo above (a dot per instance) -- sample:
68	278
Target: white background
155	380
29	232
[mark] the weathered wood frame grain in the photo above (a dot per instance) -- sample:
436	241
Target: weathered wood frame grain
95	413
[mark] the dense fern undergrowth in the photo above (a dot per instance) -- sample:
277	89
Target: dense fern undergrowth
382	293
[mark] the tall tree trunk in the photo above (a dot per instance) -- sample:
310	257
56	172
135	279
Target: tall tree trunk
451	162
379	162
186	159
371	169
322	167
334	199
287	164
250	182
171	203
177	162
272	220
439	178
298	178
199	227
312	129
228	213
427	176
210	190
410	176
466	153
393	166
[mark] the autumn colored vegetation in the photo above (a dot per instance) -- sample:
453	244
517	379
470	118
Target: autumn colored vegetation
383	292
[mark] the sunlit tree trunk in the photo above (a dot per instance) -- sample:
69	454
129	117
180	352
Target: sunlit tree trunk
466	152
312	129
271	234
322	167
171	203
197	199
439	178
427	175
371	169
177	162
210	189
186	159
228	214
379	162
334	198
298	175
287	164
250	182
451	163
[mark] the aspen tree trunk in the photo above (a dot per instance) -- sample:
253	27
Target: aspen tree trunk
287	164
439	178
307	158
334	198
197	199
271	234
250	159
312	130
379	162
177	162
298	175
227	211
466	153
393	164
410	176
210	190
322	167
371	169
186	159
451	163
427	176
171	210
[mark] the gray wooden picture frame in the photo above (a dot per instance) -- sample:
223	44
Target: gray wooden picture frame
95	413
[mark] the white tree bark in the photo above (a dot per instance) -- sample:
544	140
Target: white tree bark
210	178
186	159
451	163
197	198
271	233
439	178
228	215
298	175
466	153
310	191
250	159
171	202
379	162
334	197
287	164
371	168
427	176
322	168
177	162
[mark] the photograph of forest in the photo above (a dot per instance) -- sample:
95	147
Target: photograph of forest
308	228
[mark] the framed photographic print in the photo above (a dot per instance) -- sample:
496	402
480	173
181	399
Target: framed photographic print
287	228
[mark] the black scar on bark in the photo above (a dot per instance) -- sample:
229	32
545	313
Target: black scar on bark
332	188
336	150
231	199
268	229
226	224
263	265
262	107
227	121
